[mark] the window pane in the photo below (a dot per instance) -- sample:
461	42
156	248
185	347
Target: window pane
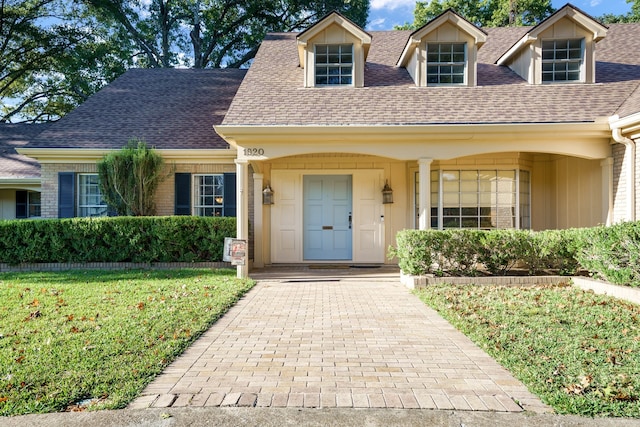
446	63
334	64
494	207
209	198
89	202
562	60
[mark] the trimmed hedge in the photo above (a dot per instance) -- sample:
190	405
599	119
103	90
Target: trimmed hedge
117	239
611	253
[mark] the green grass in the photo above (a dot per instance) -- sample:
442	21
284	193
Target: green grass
72	336
579	352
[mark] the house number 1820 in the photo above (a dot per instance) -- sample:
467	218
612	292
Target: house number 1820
253	152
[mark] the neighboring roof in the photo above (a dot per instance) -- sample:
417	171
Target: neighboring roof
272	93
16	135
168	108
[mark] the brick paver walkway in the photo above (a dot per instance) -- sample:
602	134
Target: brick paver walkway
336	343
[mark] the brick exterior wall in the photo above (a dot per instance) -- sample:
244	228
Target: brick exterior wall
620	182
165	196
49	176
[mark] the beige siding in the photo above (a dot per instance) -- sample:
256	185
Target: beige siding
397	216
7	204
566	192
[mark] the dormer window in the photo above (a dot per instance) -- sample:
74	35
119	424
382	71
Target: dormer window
443	52
334	64
562	60
446	63
560	49
333	52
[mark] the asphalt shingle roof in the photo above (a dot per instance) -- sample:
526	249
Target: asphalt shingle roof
12	164
272	92
168	108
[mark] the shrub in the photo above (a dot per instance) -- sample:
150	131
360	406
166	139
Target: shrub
462	251
118	239
612	253
501	250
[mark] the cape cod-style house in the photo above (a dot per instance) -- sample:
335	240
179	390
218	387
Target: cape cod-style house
337	138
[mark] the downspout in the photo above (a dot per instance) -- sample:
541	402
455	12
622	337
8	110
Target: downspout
630	153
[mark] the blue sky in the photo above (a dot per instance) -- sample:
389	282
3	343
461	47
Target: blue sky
384	14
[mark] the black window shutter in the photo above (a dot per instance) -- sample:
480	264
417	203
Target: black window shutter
230	194
182	183
66	194
21	204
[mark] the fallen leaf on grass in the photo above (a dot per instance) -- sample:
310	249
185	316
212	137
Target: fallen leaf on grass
33	315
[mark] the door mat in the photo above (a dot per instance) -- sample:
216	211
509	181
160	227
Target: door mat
328	266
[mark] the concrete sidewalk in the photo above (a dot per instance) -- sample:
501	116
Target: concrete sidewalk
336	342
299	417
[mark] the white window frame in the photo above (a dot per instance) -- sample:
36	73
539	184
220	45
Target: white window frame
562	60
337	65
443	63
83	208
521	217
212	200
31	205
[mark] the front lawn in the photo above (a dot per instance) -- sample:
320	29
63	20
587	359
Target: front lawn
70	340
579	352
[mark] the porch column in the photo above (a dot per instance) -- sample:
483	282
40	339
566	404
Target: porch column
424	188
258	262
607	190
242	211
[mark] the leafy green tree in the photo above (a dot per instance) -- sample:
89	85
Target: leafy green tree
632	16
130	177
484	13
51	60
210	33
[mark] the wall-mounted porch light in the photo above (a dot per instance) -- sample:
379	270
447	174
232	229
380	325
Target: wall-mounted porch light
267	195
387	194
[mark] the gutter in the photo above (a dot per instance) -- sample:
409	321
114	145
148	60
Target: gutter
630	153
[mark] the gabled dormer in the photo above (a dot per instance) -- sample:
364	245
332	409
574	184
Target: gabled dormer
444	52
561	49
333	52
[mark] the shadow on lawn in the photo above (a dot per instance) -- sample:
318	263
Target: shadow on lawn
99	276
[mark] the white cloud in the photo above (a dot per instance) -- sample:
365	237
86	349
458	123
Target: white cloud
595	3
392	4
377	24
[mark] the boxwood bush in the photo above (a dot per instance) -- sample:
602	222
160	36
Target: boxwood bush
498	252
611	253
117	239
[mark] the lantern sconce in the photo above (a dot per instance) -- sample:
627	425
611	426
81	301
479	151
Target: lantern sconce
387	194
267	195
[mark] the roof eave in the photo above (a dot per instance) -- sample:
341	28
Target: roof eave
91	155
